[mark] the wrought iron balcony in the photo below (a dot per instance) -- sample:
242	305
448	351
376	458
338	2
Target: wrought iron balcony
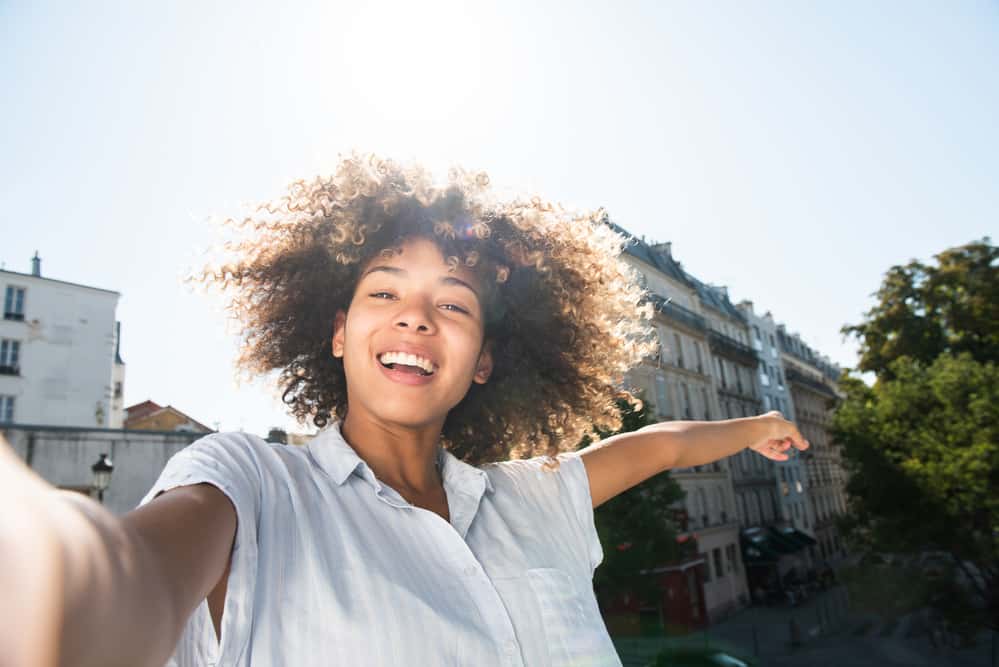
10	370
677	313
724	346
810	383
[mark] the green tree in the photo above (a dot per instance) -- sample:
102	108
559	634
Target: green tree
922	444
636	528
924	310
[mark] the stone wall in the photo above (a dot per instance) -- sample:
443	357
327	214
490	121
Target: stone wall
63	457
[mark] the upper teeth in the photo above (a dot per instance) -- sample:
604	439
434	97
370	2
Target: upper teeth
407	359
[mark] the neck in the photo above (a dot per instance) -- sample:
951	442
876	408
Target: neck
404	457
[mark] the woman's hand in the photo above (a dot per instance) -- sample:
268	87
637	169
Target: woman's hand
780	436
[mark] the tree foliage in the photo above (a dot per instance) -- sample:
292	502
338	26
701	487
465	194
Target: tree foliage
636	528
924	310
922	444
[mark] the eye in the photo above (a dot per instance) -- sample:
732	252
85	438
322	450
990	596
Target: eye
381	295
457	309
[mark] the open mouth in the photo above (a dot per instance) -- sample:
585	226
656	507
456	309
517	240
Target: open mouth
407	363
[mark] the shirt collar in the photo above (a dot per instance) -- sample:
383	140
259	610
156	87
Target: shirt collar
339	460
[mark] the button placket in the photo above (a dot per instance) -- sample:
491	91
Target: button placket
484	594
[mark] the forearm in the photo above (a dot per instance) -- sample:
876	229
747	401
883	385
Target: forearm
115	605
624	460
682	444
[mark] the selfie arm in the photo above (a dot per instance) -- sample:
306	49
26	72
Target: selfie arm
620	462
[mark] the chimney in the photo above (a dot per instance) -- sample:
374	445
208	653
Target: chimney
664	247
36	265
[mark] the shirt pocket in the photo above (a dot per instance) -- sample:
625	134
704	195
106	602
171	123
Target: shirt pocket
573	628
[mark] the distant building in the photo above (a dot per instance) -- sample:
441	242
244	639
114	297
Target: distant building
679	384
64	455
813	380
779	549
149	416
59	352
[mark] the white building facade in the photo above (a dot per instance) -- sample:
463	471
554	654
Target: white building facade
791	480
59	362
680	386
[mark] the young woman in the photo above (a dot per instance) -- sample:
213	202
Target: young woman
454	350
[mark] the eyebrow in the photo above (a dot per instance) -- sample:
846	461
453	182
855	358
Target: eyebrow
445	280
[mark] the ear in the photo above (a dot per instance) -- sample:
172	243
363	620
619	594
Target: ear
485	366
339	329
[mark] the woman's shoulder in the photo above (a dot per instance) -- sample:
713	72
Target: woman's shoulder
537	471
244	450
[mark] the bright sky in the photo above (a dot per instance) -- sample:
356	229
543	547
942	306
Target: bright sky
792	151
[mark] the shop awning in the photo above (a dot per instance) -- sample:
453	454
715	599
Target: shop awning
761	545
757	547
794	535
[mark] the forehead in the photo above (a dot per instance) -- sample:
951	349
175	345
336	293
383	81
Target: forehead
420	255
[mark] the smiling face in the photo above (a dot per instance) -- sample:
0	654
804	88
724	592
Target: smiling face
412	339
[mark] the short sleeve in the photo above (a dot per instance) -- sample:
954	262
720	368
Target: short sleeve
562	490
231	463
577	483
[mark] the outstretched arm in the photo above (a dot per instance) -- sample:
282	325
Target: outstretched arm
620	462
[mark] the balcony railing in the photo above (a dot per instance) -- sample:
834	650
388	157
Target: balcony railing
811	383
17	317
677	313
729	347
10	370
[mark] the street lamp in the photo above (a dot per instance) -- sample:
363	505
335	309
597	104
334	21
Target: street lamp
102	475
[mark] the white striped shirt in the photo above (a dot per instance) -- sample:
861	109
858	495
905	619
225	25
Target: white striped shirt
332	567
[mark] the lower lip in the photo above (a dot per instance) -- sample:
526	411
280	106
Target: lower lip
405	378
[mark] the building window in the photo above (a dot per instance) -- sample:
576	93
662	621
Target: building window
707	403
10	354
693	594
733	563
7	409
687	412
721	372
117	389
700	360
766	403
707	567
718	562
13	303
757	343
679	350
702	502
661	400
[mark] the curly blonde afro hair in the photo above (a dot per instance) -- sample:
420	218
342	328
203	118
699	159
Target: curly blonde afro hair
564	313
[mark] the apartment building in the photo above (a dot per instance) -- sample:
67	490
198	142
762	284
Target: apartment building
679	384
790	476
812	380
59	352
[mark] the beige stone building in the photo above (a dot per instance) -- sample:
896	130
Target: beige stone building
679	385
812	380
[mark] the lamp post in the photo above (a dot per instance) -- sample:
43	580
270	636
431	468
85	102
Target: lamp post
102	475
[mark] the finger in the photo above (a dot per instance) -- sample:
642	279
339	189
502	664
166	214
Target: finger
797	439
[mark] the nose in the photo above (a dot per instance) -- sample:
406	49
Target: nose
415	316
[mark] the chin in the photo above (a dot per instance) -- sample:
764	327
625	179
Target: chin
407	415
